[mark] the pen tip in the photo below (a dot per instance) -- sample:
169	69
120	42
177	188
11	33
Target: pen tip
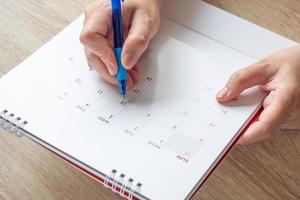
122	87
123	97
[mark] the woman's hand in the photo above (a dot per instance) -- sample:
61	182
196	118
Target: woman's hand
140	24
279	74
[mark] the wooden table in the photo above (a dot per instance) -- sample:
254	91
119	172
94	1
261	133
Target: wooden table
266	170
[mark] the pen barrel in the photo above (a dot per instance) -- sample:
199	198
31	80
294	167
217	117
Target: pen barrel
116	4
121	73
117	25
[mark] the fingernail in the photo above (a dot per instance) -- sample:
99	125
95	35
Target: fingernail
111	69
223	93
129	60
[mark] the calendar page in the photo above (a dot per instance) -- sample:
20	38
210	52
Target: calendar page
165	136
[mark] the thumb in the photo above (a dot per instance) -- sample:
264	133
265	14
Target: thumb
143	28
277	106
247	77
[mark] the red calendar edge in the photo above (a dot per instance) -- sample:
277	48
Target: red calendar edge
117	189
253	119
94	176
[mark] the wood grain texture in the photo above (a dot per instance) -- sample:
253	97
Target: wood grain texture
266	170
280	16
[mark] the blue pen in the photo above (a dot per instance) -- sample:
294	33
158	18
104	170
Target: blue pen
118	39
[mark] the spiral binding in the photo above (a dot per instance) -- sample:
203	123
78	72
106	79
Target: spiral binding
120	185
13	124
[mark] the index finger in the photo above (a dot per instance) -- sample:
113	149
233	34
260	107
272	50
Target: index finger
93	36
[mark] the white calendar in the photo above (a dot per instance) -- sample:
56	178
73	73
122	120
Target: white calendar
162	141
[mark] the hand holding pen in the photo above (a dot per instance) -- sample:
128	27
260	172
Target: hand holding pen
140	24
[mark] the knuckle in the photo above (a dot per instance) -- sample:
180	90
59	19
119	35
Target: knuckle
142	40
264	63
85	36
236	78
152	22
149	22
